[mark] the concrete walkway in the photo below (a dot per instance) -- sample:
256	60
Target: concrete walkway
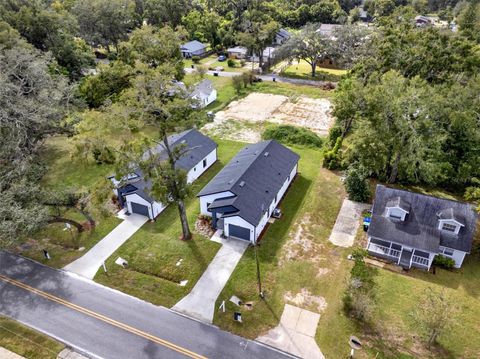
7	354
295	333
200	302
90	262
346	225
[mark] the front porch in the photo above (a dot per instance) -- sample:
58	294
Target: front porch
398	254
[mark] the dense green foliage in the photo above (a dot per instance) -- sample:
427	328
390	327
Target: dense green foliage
356	185
409	107
292	135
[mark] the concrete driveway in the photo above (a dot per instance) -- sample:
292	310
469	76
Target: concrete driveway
90	262
200	302
346	225
295	333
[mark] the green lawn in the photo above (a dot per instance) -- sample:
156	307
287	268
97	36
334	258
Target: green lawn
152	253
67	171
27	342
398	296
310	209
304	70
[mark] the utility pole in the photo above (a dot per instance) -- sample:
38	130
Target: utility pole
260	292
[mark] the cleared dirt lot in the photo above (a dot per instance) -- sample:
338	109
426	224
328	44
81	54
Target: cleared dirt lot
251	112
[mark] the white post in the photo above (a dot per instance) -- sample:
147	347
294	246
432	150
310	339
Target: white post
352	352
104	267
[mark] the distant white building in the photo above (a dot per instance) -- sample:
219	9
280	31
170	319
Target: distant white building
204	93
328	29
237	52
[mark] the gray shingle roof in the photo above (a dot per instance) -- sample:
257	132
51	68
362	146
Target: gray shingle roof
254	175
201	146
203	89
399	202
193	46
420	228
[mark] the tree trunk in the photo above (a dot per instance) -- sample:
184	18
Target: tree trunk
87	216
58	219
181	206
314	68
394	172
183	218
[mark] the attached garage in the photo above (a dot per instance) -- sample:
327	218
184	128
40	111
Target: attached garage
140	209
239	232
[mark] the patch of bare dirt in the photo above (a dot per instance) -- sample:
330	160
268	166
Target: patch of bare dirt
301	244
306	299
238	120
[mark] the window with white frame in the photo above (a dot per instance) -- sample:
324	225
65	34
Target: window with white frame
449	227
446	251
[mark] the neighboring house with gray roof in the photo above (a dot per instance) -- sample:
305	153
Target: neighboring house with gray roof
410	229
242	196
193	48
133	191
204	93
281	36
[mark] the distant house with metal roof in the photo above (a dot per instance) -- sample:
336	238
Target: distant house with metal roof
204	93
281	36
410	229
237	52
133	191
193	48
243	195
328	29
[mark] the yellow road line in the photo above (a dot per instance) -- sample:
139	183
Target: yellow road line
103	318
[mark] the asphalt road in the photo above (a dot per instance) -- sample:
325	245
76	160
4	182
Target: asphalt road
104	323
266	77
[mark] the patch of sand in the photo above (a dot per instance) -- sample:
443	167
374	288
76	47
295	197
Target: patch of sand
306	299
238	119
301	244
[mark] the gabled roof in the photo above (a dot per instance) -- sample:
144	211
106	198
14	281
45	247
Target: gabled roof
203	89
254	176
193	46
283	33
398	202
239	49
420	228
199	144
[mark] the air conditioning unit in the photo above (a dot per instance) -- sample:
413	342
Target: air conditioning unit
277	213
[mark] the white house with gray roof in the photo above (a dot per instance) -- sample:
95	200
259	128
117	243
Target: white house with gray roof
410	229
133	192
242	196
204	93
193	48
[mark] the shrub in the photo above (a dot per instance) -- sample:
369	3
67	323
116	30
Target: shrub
444	262
231	63
103	155
334	133
292	135
332	157
196	59
357	186
358	299
237	83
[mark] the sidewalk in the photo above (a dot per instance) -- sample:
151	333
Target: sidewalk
7	354
200	302
90	262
